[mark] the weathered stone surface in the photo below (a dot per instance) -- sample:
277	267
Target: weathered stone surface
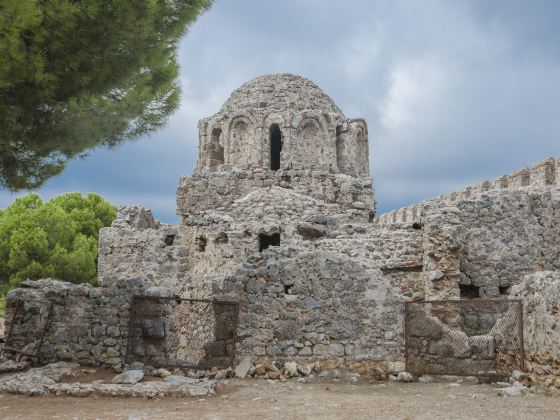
512	391
274	374
540	293
405	377
45	380
135	217
12	366
179	379
35	381
243	367
379	374
394	368
129	377
163	373
290	369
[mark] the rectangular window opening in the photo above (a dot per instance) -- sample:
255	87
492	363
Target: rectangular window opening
266	241
469	291
169	239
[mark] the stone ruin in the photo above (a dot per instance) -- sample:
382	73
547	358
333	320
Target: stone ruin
279	216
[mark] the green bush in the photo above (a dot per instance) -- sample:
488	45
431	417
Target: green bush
57	238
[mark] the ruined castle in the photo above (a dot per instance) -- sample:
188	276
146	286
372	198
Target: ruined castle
279	215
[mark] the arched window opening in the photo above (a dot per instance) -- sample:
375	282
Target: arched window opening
340	150
275	147
215	150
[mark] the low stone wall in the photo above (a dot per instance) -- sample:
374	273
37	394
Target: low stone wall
540	293
88	324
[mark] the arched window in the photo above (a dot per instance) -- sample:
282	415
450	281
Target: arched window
340	151
275	147
215	149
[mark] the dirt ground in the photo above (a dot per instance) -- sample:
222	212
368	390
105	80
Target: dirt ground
242	399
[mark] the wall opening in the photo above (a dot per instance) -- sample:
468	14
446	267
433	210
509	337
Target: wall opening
169	239
469	291
215	149
275	146
416	226
200	243
504	290
340	149
266	241
222	238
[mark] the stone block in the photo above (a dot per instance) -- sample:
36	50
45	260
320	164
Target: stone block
336	350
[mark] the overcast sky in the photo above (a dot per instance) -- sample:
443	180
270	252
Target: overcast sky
454	92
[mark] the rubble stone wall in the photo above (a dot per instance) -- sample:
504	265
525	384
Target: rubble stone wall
507	235
540	293
206	191
129	252
88	324
335	301
215	243
490	241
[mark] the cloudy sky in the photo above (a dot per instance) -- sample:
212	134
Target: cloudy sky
454	92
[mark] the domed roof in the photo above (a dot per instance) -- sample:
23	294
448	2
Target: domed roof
277	93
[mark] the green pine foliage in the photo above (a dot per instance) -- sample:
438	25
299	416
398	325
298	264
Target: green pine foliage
57	238
75	75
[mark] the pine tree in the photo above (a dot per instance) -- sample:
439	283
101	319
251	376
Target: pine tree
75	75
57	238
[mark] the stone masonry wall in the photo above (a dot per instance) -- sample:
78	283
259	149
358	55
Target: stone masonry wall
540	293
88	324
138	246
216	243
201	192
490	241
507	235
335	301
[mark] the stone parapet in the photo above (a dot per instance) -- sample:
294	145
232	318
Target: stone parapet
545	173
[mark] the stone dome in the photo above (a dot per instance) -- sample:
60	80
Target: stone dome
278	93
280	122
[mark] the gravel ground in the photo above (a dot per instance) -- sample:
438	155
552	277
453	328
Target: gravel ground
250	398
